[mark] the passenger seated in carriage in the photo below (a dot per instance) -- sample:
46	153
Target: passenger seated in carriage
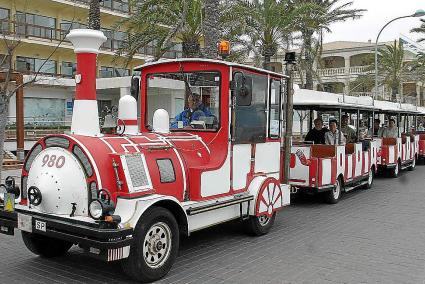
333	136
391	131
377	130
347	130
317	134
195	111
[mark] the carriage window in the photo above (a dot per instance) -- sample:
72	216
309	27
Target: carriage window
250	123
191	99
274	111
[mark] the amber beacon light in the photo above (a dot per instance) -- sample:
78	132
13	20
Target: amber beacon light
224	48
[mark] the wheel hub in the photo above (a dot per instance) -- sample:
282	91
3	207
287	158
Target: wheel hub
157	244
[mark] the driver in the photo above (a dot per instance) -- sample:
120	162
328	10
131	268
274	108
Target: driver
196	109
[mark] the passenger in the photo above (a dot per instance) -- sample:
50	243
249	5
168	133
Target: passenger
332	137
317	134
421	127
391	131
349	133
377	129
195	111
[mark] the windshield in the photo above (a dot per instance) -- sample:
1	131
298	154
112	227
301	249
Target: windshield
192	99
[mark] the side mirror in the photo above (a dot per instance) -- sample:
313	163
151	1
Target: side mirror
135	87
242	89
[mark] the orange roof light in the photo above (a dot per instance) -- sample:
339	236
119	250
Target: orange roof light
224	48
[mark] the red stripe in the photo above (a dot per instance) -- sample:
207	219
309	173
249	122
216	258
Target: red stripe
127	122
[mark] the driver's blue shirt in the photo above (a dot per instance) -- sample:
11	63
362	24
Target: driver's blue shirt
187	115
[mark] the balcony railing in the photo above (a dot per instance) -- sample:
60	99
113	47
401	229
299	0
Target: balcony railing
113	5
26	30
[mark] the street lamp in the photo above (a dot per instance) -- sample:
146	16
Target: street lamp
418	13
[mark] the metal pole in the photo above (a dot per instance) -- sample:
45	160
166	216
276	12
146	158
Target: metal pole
376	54
289	112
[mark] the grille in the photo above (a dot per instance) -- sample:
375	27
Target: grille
136	168
37	149
166	170
24	182
93	190
83	160
57	141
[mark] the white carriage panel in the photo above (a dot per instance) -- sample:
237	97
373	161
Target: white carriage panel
241	165
391	154
216	182
378	144
210	218
267	157
300	174
349	166
286	194
407	156
416	143
340	161
375	146
399	146
359	159
366	161
326	171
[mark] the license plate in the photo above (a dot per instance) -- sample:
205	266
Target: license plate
24	222
40	225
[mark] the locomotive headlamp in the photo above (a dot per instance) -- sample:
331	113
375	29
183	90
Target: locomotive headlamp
11	187
102	206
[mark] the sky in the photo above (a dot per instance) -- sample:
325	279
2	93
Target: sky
378	13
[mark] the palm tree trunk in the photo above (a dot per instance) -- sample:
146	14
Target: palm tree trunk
94	15
309	60
211	28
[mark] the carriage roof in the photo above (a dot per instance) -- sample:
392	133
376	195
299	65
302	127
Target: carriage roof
309	99
203	60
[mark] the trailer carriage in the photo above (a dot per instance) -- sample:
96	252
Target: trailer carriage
332	169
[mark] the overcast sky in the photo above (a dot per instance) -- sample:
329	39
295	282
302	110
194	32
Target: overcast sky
378	13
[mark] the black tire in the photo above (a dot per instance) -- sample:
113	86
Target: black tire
258	226
147	243
370	178
332	196
395	171
45	246
413	165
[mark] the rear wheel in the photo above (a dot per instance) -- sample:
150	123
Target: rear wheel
260	225
396	170
155	247
413	165
333	195
45	246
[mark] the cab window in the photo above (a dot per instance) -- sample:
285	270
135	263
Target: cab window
192	99
274	109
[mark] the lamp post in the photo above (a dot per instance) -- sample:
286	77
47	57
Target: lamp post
418	13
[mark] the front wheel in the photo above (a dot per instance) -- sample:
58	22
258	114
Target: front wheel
45	246
155	247
260	225
332	196
370	178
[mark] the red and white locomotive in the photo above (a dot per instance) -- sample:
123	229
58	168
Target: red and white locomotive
131	195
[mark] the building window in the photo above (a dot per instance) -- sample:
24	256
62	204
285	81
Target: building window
109	72
114	39
118	5
36	25
66	26
4	20
30	65
68	69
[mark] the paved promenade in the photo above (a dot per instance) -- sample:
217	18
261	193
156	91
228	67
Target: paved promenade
371	236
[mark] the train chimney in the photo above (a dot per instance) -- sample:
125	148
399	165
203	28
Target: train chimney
85	117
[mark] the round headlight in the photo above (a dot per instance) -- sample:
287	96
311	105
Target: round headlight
95	209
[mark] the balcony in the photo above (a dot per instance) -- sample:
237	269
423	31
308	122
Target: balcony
121	6
25	30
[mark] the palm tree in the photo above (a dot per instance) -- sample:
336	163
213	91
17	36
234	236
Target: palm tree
94	15
312	23
421	30
392	68
261	27
211	27
159	23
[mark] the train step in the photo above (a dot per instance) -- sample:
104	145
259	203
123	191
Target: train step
221	204
357	185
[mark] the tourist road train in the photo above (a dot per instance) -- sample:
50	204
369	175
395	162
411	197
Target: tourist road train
130	195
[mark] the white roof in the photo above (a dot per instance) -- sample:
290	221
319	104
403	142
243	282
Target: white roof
303	97
227	63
